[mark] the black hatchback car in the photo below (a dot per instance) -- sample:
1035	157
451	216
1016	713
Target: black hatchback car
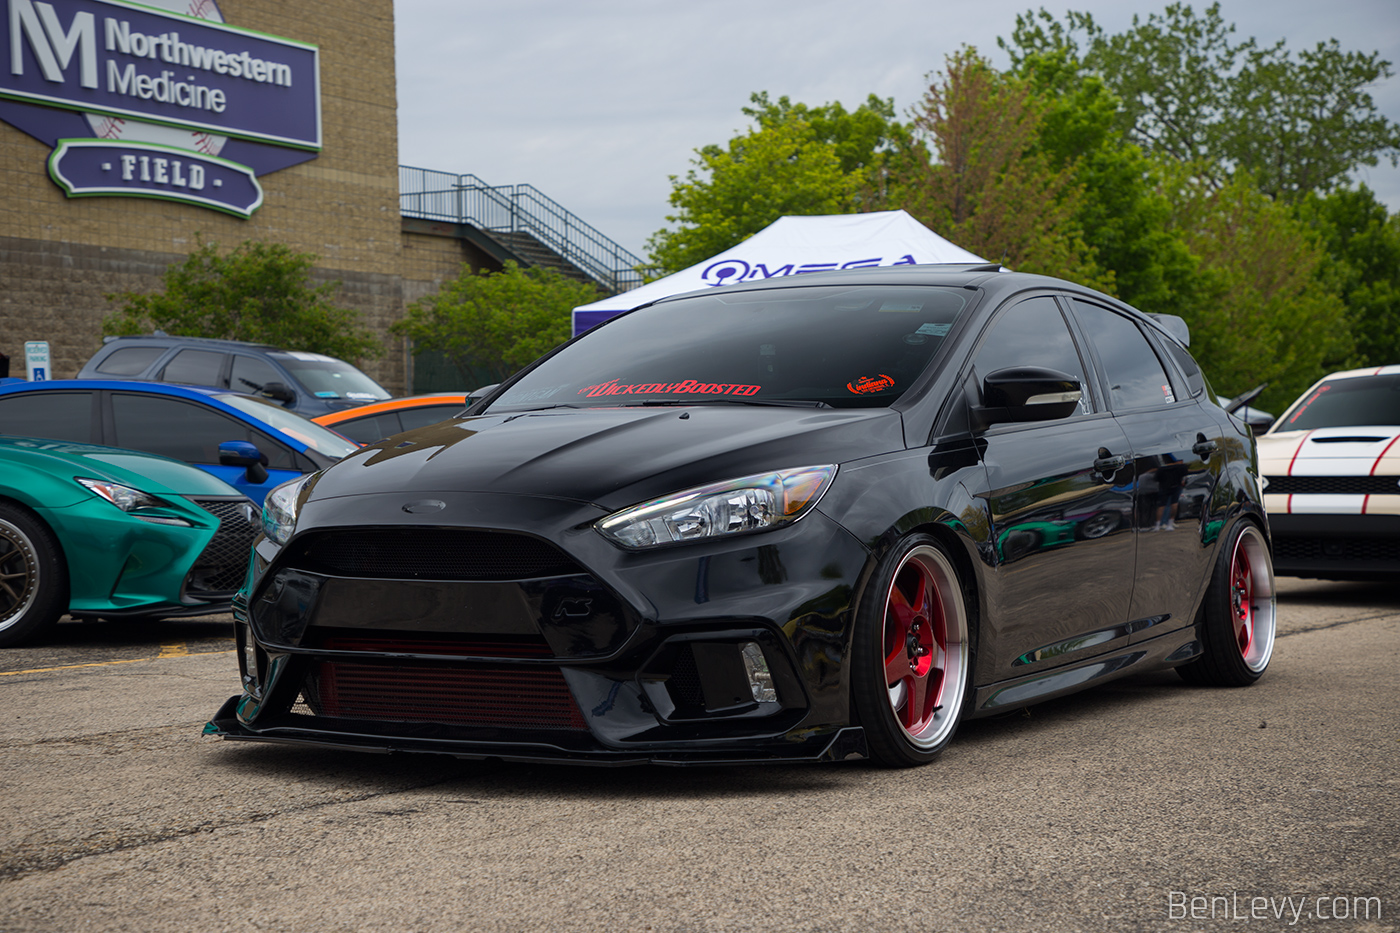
815	519
309	384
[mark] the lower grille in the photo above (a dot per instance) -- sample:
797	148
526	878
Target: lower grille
221	567
499	697
1333	485
1337	549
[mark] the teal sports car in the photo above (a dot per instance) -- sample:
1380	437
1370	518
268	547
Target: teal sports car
103	532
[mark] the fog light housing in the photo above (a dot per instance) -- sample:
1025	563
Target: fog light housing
759	676
250	661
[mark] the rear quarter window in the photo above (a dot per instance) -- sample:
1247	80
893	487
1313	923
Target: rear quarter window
64	416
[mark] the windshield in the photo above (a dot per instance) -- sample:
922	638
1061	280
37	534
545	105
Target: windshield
1344	403
328	377
846	347
319	439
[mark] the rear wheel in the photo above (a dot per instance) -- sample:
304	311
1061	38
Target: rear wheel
911	655
33	586
1237	620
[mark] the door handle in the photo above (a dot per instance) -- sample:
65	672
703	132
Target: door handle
1203	447
1108	463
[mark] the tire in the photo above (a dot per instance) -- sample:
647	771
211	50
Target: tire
33	578
1238	618
911	654
1098	525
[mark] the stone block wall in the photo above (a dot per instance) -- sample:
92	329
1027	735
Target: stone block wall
59	256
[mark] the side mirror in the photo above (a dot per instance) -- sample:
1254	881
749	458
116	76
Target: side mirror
1027	393
245	454
278	392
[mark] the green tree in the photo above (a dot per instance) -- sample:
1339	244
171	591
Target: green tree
1192	93
1265	313
495	322
978	175
259	292
1363	243
797	160
1122	214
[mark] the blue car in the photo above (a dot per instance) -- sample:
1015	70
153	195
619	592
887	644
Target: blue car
248	442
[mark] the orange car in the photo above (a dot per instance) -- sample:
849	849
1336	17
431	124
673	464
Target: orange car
369	423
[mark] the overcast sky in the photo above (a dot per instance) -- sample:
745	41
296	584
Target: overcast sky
597	103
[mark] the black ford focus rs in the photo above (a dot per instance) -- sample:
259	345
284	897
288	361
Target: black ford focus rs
819	518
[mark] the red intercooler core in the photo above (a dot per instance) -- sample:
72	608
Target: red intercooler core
453	694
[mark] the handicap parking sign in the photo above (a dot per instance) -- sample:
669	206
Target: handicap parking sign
36	360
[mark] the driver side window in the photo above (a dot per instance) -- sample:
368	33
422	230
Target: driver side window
1032	333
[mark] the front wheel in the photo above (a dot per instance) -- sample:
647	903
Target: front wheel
911	654
32	582
1237	620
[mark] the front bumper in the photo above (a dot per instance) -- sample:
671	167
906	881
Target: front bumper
590	654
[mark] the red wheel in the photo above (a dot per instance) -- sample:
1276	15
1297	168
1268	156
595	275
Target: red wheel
911	655
1237	620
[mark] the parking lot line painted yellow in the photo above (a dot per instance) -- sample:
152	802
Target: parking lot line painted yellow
71	667
176	649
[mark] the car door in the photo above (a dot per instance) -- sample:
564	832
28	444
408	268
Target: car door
185	430
1178	449
1060	497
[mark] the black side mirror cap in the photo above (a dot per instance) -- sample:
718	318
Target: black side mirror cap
1027	393
278	392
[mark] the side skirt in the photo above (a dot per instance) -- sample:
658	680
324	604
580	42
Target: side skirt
1167	650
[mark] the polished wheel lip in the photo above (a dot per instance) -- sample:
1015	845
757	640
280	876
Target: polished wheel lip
925	647
1253	602
18	551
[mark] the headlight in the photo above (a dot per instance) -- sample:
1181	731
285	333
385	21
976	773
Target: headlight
751	503
132	500
279	514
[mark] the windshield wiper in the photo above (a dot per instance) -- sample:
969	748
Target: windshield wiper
714	400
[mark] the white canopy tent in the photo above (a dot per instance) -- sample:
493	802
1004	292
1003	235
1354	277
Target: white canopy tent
794	246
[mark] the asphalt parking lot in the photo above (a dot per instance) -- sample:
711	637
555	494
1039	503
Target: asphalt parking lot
1142	805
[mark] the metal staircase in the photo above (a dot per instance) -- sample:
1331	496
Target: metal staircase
517	222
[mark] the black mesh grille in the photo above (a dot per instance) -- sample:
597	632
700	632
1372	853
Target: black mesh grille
1338	549
224	561
1334	485
431	554
496	697
684	683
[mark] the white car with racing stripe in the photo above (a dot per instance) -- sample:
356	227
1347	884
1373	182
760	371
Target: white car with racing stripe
1331	471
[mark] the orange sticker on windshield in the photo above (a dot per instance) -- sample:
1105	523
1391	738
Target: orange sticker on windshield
866	385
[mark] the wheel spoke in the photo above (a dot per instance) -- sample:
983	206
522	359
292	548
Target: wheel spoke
1242	598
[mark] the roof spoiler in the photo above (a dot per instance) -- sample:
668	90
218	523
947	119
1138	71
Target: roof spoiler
1174	326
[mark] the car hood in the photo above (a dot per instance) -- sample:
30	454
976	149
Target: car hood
612	457
1347	451
148	472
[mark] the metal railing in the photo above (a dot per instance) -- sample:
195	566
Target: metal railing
465	199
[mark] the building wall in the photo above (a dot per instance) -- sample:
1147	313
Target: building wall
60	256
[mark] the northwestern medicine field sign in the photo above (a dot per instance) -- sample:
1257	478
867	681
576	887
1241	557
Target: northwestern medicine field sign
158	100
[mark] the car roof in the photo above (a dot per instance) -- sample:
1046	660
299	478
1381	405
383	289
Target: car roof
1359	373
203	394
392	404
168	340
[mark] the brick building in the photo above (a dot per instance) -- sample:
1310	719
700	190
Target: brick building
60	255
